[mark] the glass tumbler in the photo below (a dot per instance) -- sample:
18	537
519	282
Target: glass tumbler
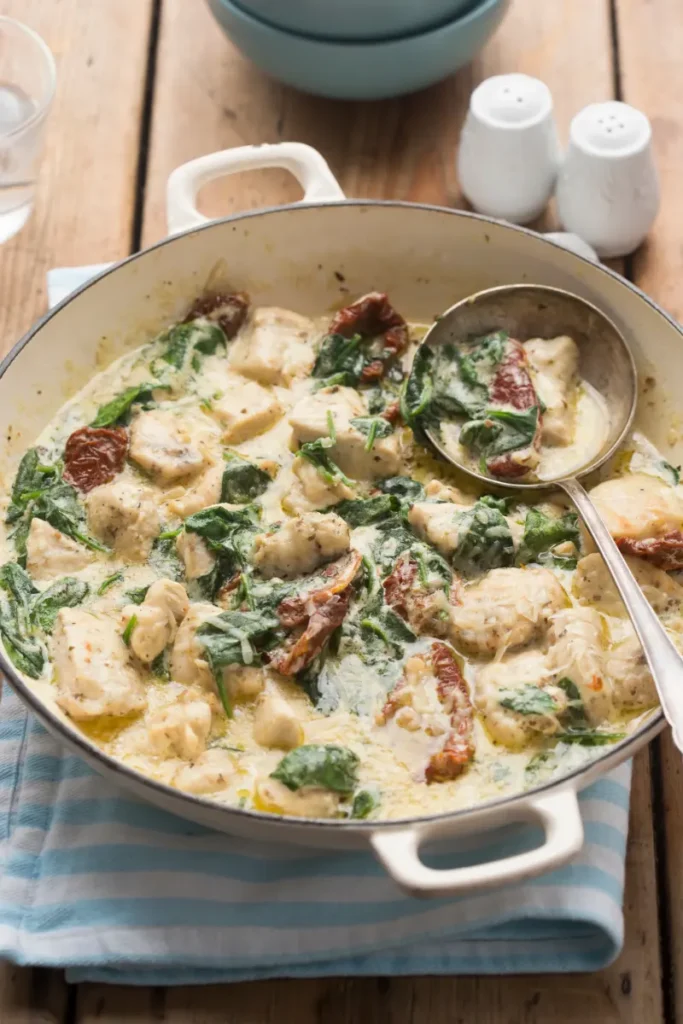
27	85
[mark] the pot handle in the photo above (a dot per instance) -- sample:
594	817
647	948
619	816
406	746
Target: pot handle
306	164
558	813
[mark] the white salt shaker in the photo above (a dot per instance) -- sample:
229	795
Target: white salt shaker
509	154
608	190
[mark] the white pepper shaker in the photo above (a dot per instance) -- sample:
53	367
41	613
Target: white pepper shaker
608	190
509	154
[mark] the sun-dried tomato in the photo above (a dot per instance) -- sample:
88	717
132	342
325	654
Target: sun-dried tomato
506	467
228	311
323	621
371	316
317	614
392	413
374	370
94	456
512	384
458	749
665	551
398	585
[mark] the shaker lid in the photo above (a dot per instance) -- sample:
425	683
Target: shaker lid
611	129
511	101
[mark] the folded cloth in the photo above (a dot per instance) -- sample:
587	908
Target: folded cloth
113	889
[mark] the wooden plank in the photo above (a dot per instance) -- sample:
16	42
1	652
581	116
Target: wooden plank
86	188
83	214
652	80
207	97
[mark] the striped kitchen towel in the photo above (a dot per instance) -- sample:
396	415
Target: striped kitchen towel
112	889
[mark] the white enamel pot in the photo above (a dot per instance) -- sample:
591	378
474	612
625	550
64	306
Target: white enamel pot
307	257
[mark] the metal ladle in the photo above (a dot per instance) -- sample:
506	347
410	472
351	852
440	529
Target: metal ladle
536	311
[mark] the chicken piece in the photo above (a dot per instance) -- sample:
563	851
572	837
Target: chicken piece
246	409
206	491
197	558
577	652
638	506
124	515
308	802
188	664
633	687
311	492
507	608
210	773
439	491
180	730
190	667
92	668
156	619
301	545
276	724
555	363
162	445
593	585
244	682
310	419
274	346
507	679
50	553
439	523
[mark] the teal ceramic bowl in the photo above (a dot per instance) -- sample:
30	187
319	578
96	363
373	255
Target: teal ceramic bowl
355	19
360	70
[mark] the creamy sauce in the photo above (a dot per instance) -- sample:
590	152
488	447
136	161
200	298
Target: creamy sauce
344	703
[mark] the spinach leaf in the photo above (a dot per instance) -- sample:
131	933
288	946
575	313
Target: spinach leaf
365	801
381	622
499	431
32	477
316	452
229	534
65	593
16	582
331	767
418	390
589	737
128	631
165	560
195	336
403	487
528	700
110	581
24	650
366	511
542	533
671	473
242	480
458	387
59	506
502	504
118	409
138	594
340	360
484	540
575	714
237	638
372	427
160	667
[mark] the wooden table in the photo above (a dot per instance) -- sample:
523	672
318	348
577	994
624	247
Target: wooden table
147	84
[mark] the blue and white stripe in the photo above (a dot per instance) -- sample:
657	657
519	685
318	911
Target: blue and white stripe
112	889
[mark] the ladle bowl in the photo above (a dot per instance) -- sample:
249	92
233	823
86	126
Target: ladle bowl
605	361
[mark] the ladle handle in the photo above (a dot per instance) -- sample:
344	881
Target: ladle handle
665	663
